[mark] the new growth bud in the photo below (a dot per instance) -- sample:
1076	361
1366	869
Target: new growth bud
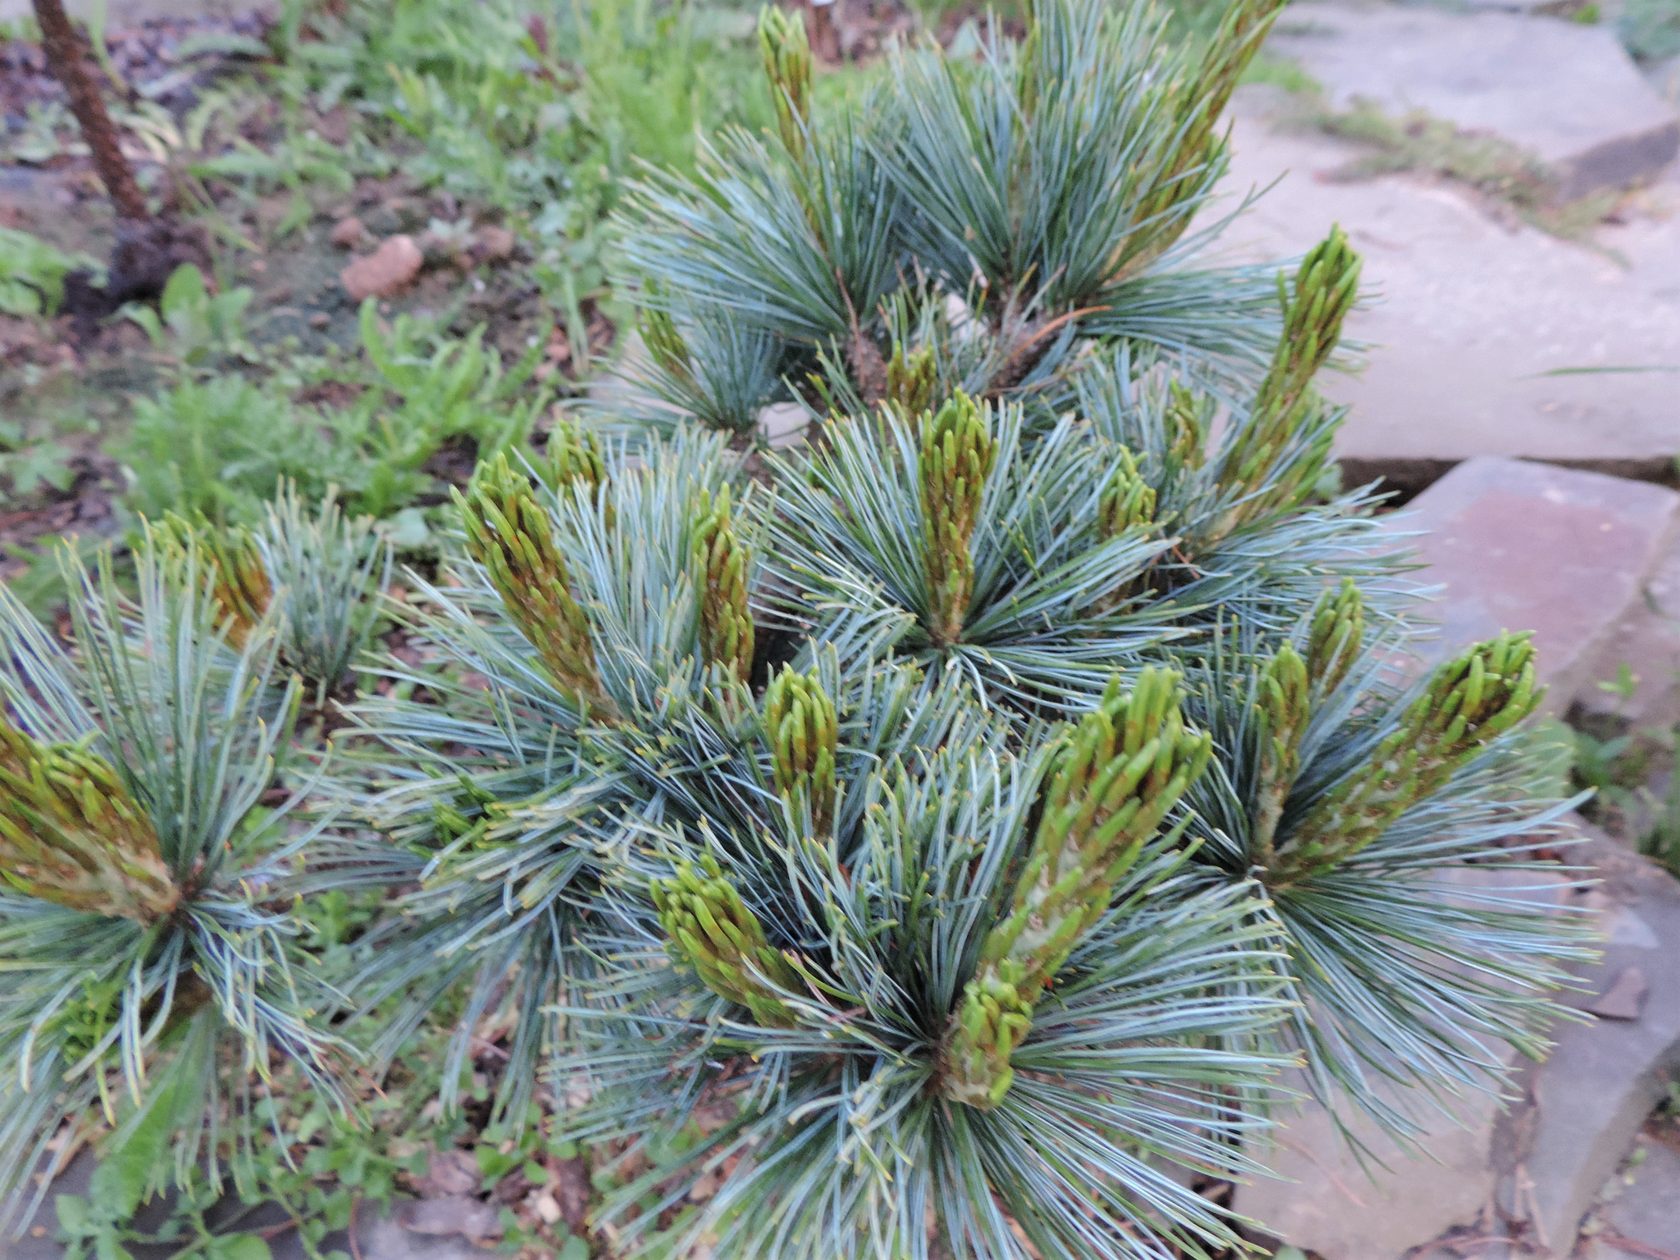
230	564
1283	705
1468	703
666	345
1117	776
1337	635
72	834
1325	288
511	536
1274	461
804	733
1127	506
786	54
709	929
1187	425
958	451
574	457
1128	501
721	566
1285	693
912	380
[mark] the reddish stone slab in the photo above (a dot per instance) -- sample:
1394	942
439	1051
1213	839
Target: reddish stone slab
1523	546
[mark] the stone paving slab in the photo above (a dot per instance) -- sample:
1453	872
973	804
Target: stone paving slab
1518	545
1645	639
1643	1208
1327	1203
1470	316
1591	1097
1515	1182
1564	92
377	1237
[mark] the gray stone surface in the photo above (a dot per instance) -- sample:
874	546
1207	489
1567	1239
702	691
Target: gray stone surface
37	1240
383	1239
1332	1207
1646	639
1475	322
1515	1182
1518	545
1603	1077
1565	92
1642	1208
1336	1207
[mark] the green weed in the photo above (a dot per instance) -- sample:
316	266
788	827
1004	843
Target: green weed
31	461
32	273
194	326
218	447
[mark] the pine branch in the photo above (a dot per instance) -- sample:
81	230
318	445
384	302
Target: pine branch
68	58
1121	771
71	832
1192	161
722	564
1468	703
512	537
957	455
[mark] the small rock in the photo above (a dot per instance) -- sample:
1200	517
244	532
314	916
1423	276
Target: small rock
320	320
385	271
452	1214
448	1173
385	1239
348	232
547	1208
494	244
1624	999
784	423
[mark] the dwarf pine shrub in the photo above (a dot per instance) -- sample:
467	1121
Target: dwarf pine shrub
945	838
